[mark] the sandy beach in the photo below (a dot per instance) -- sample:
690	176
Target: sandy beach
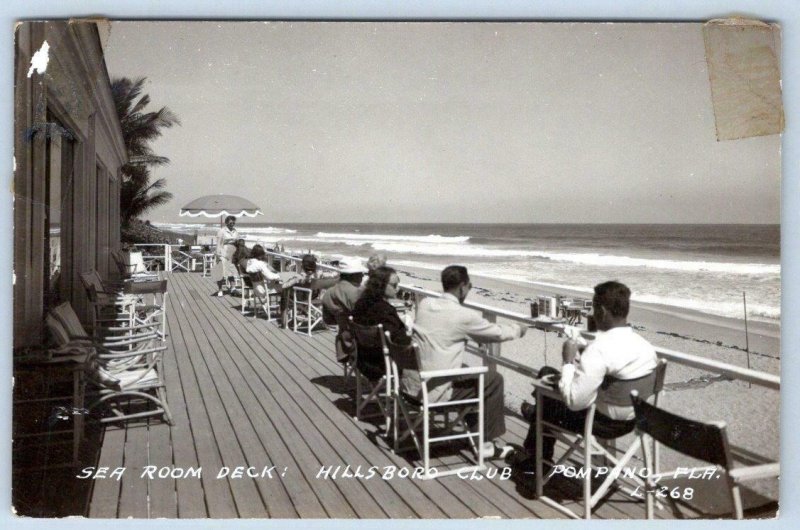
751	412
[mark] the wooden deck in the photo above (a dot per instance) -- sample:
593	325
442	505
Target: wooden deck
245	393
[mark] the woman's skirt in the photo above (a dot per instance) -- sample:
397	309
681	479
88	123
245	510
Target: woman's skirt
225	267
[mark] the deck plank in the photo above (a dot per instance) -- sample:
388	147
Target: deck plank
190	496
217	494
161	491
133	501
256	433
246	496
106	492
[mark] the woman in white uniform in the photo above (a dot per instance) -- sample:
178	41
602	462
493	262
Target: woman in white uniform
226	246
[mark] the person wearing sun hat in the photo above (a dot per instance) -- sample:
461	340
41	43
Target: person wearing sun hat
341	298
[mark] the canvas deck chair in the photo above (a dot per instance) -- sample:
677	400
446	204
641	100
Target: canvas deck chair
123	392
67	331
110	305
426	422
152	308
344	344
180	258
377	385
264	297
588	446
125	372
306	311
707	442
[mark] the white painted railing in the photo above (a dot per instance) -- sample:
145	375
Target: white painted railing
492	353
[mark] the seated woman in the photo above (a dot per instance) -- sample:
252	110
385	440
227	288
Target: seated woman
373	308
241	253
260	271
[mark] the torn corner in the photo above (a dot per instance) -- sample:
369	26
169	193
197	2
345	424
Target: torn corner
745	77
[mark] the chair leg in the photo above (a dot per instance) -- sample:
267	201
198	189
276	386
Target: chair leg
587	480
538	457
736	498
426	445
648	465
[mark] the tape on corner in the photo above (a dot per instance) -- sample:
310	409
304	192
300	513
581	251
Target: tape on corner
745	77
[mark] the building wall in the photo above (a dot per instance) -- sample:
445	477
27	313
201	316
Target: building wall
66	123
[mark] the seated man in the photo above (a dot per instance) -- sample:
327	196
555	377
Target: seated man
341	298
309	277
442	327
617	352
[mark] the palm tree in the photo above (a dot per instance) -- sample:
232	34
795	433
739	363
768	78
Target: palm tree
137	193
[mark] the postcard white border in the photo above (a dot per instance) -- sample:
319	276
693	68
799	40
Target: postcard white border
784	12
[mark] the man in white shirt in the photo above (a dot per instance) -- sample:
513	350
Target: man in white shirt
441	328
616	353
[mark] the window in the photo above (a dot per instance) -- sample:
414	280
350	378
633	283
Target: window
58	177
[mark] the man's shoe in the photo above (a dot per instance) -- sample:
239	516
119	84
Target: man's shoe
489	451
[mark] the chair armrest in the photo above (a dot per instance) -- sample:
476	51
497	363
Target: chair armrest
131	353
755	472
453	372
131	328
129	341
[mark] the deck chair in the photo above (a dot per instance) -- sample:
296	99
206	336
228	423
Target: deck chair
109	304
68	333
123	371
125	269
345	344
306	311
154	310
378	385
181	258
588	446
264	297
123	389
703	441
413	408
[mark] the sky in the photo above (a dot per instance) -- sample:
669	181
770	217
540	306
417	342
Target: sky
446	122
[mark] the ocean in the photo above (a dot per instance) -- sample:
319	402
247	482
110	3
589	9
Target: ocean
700	267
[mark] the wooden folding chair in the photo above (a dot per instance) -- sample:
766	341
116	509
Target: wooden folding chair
306	311
264	297
414	409
707	442
379	389
587	445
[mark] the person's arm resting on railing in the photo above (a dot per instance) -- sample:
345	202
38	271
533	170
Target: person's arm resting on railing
481	330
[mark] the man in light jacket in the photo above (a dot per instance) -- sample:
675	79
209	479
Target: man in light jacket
441	328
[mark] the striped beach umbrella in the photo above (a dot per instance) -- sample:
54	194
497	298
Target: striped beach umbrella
220	206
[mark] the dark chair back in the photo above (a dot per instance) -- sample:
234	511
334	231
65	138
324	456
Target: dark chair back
405	356
368	336
618	391
704	441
